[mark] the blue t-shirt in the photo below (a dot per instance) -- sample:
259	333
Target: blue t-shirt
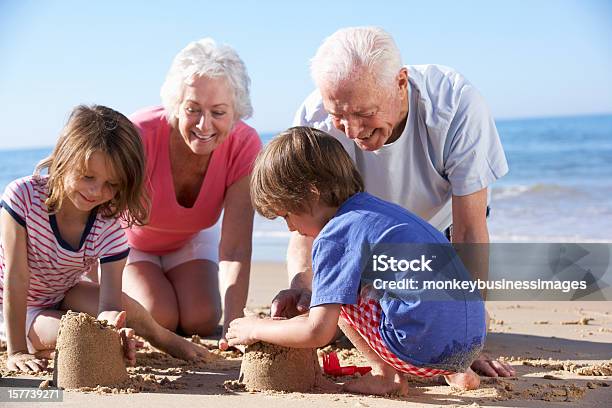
425	323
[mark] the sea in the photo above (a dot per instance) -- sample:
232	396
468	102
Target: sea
558	189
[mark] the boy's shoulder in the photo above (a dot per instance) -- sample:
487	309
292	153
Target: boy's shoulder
367	218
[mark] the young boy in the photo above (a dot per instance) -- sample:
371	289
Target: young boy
383	307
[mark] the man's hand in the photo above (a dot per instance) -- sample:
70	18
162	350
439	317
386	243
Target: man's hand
290	303
22	361
485	365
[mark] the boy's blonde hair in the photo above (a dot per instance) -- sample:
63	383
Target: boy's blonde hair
92	129
298	166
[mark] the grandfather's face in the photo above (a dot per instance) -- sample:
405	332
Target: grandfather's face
367	114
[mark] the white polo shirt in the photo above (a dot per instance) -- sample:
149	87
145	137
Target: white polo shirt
449	146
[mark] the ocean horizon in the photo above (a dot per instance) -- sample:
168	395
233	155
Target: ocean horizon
558	189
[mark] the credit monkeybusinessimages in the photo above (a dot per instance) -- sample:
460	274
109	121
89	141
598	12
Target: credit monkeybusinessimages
473	285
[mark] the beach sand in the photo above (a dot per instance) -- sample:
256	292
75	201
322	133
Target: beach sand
562	352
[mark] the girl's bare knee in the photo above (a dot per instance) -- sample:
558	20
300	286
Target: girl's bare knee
43	337
40	345
43	332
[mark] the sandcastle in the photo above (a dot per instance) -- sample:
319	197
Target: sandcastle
88	353
269	367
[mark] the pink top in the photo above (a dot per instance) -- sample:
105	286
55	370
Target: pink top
170	224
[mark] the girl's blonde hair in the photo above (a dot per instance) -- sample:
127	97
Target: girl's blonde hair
301	165
92	129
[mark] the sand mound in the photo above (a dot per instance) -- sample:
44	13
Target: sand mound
599	369
88	353
270	367
603	369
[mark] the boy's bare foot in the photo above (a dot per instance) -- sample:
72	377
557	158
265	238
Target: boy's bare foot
465	381
180	347
384	382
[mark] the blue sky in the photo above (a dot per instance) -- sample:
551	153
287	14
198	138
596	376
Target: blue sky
528	58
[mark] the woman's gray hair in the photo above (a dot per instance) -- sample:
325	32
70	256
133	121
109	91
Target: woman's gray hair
354	48
205	58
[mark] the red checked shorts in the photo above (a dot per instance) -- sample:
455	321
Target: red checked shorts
365	319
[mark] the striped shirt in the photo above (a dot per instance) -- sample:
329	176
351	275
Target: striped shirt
54	265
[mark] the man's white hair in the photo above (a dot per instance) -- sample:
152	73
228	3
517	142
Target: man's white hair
353	49
205	58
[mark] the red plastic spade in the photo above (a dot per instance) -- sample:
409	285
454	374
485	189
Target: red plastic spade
331	366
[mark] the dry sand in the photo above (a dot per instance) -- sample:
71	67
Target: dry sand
558	365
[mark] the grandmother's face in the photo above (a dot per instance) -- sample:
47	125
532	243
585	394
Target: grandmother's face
366	113
206	114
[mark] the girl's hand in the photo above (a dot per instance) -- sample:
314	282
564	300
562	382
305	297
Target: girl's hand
21	361
242	331
113	317
128	341
130	345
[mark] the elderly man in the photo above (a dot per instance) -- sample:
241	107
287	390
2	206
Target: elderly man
421	136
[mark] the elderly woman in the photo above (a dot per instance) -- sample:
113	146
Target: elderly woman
199	158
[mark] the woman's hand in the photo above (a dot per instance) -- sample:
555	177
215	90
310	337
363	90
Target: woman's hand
235	253
22	361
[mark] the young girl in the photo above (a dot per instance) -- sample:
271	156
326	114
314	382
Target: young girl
55	228
305	176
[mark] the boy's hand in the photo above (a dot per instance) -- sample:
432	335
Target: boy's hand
22	361
242	331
